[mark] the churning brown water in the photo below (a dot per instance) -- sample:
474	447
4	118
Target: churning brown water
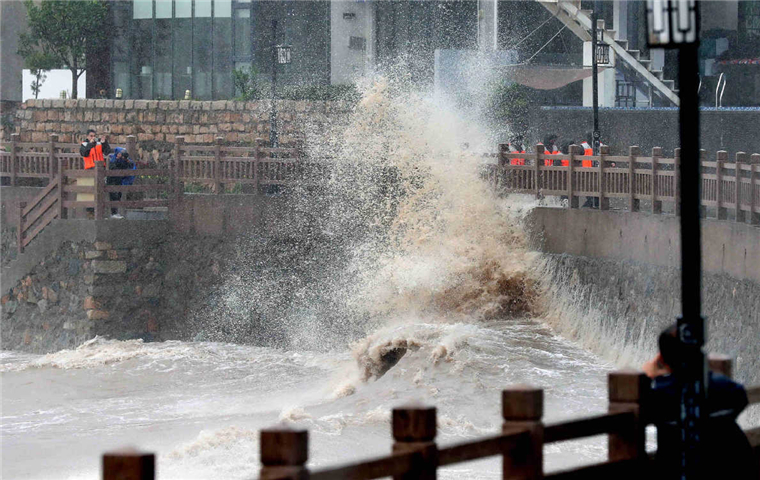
444	302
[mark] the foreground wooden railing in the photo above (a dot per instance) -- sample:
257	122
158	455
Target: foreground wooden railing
635	177
415	455
59	198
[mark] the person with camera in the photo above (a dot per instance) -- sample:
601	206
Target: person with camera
92	149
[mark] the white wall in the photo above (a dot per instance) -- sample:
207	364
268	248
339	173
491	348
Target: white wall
56	81
346	64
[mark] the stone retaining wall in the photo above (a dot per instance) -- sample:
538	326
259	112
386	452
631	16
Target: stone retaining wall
161	121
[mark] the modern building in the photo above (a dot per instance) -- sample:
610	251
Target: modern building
161	49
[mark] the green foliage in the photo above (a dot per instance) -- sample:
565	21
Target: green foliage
248	86
509	104
60	33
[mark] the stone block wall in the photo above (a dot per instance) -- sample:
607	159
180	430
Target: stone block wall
160	122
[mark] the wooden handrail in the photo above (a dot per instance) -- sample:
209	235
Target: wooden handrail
587	427
481	448
389	465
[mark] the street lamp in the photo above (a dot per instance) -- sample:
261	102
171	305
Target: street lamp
675	24
280	56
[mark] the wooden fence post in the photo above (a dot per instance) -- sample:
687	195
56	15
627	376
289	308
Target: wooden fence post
604	202
627	393
522	408
702	158
284	453
176	176
754	215
720	364
677	181
414	430
100	194
572	200
633	202
537	168
51	157
14	158
501	163
132	147
217	164
741	158
61	187
656	204
20	228
129	465
722	212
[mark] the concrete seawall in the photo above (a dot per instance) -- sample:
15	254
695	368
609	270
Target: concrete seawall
614	282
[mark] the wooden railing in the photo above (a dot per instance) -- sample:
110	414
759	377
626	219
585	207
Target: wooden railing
59	198
217	164
726	186
415	455
37	160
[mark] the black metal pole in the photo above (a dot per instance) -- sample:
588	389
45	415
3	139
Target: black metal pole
273	141
691	326
595	78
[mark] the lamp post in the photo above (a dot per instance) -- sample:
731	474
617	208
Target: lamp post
675	24
595	77
280	55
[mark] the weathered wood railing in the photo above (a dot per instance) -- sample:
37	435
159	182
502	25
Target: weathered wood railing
726	185
415	455
54	200
217	164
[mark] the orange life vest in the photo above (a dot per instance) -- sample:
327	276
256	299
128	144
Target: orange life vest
587	151
96	155
516	161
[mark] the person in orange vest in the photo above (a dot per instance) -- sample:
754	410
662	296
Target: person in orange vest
516	146
94	149
588	151
550	147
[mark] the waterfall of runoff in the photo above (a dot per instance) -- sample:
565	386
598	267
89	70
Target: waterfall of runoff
405	278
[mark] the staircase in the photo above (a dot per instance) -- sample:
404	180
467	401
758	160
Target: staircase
632	63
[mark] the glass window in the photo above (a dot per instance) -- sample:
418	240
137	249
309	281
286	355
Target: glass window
222	8
202	51
163	64
243	33
163	8
202	8
121	78
142	59
142	9
222	58
183	8
183	56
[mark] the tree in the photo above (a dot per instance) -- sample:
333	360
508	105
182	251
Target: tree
61	32
38	64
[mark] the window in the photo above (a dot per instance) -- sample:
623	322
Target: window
243	33
163	8
163	59
183	8
202	50
142	9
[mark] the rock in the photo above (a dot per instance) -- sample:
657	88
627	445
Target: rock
74	266
42	305
52	296
68	325
31	297
97	314
27	281
138	291
5	299
94	254
109	266
102	246
91	304
10	307
152	290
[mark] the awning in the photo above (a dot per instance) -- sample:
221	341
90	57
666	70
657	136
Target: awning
545	77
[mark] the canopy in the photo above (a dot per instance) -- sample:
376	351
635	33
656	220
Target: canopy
548	77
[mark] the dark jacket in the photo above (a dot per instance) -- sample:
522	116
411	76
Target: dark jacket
726	447
116	163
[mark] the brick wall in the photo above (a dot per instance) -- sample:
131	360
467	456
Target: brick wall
153	121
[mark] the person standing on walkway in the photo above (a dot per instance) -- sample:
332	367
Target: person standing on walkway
725	446
119	160
92	149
